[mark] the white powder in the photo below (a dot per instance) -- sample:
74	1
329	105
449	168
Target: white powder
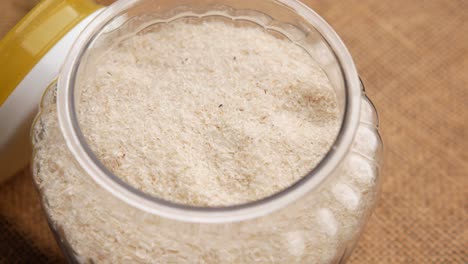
160	118
209	114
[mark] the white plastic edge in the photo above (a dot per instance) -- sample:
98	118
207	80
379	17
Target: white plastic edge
18	111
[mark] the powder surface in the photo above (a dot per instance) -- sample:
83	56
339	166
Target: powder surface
208	114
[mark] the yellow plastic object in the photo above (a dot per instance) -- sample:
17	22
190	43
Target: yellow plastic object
35	35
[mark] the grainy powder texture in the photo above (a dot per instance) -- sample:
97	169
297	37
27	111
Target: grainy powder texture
208	114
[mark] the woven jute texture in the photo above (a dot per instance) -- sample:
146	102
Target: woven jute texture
413	57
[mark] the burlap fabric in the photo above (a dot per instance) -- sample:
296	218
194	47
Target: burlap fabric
413	57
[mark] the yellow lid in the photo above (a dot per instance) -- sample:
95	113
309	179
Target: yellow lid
34	36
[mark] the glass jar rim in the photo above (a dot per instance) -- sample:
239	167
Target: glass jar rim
76	142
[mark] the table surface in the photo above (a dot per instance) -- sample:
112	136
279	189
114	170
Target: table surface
413	57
